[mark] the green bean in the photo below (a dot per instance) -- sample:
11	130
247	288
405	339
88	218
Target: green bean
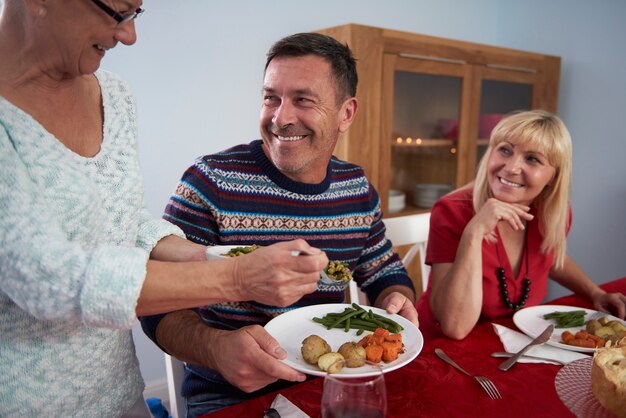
567	319
344	318
359	319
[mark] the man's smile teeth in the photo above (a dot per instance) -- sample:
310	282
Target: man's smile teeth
101	48
290	138
508	183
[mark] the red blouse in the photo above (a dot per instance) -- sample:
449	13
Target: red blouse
448	219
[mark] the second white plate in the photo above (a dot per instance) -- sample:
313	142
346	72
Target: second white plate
530	321
292	327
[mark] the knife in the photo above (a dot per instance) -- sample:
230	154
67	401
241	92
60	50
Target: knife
509	355
542	338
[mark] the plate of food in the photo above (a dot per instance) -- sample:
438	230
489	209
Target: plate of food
532	321
292	328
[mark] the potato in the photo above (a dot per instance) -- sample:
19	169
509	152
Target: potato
592	326
353	353
313	347
606	333
331	362
617	326
604	320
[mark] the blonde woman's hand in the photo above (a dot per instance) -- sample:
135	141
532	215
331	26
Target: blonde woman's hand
274	276
494	211
613	303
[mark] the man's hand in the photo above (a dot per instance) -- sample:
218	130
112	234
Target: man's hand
249	358
398	303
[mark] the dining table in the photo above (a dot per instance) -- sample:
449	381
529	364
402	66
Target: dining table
428	387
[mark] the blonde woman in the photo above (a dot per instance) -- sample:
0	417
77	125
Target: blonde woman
494	243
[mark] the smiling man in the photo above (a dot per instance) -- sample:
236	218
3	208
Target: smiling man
286	186
303	115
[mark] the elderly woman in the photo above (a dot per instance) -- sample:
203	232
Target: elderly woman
493	244
80	257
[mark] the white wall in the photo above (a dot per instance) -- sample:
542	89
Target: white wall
197	71
592	102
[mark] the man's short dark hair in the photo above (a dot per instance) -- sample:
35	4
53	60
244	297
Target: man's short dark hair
338	55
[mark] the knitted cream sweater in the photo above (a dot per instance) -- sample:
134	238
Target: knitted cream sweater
74	241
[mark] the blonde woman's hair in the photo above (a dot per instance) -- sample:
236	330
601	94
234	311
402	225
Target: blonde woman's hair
547	133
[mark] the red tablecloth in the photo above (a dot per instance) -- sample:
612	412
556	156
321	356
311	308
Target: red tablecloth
428	387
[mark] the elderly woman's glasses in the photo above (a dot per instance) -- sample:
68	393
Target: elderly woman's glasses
120	19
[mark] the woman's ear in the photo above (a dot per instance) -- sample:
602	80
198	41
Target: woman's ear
554	178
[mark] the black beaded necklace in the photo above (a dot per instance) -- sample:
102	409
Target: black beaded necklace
502	279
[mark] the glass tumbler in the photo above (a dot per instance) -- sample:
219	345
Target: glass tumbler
355	396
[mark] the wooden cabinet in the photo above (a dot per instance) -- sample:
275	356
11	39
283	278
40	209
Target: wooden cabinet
427	105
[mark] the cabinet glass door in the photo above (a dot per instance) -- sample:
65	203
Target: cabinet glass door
501	92
423	131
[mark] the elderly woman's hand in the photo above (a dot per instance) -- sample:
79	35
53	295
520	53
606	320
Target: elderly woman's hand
613	303
273	275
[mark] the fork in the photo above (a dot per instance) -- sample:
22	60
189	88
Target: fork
596	315
323	274
484	382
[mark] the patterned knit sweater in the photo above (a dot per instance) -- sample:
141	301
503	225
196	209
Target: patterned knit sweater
74	241
239	197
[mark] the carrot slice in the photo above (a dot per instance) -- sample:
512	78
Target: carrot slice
374	353
583	335
390	351
381	331
599	341
566	336
394	338
365	341
579	342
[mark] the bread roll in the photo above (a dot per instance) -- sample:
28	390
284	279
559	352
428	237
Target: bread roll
608	378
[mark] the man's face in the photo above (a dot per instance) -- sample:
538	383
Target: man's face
301	119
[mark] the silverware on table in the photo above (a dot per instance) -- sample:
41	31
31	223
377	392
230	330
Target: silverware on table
484	382
504	354
542	338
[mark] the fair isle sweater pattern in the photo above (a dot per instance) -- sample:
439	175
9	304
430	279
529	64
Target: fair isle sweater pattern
74	241
237	197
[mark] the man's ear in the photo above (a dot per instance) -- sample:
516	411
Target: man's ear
36	7
347	113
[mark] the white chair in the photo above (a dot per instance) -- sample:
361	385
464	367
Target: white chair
404	230
175	370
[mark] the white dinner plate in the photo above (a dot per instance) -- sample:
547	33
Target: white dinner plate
292	327
530	321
